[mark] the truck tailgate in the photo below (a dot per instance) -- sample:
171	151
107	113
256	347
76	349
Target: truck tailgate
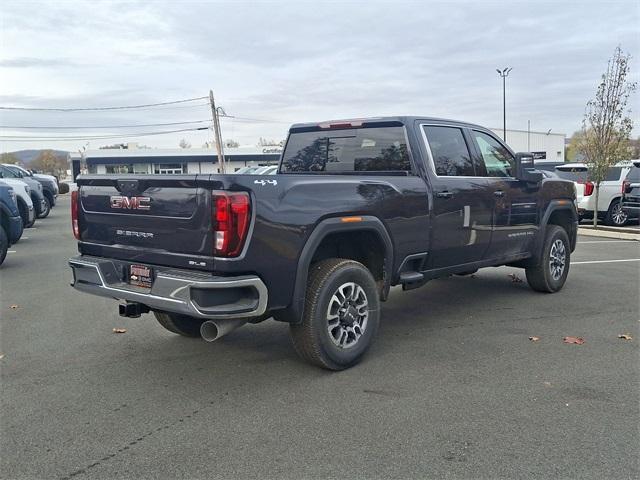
164	220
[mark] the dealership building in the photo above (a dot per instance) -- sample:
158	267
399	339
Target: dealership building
171	161
545	146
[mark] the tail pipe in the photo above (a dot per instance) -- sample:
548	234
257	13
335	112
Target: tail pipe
212	330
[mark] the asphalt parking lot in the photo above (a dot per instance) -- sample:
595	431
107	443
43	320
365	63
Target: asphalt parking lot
452	388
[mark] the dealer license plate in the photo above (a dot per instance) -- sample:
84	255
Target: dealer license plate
141	276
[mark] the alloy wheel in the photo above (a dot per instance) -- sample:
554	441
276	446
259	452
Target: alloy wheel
347	315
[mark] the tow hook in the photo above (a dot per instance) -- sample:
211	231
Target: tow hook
132	309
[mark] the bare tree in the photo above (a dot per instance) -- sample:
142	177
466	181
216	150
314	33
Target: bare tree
607	123
184	144
48	161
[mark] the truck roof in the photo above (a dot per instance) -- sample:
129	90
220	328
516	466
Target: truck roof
400	120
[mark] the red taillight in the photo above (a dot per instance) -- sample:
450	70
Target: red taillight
232	213
588	187
626	187
74	214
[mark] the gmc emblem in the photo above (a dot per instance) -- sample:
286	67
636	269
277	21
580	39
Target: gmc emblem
130	203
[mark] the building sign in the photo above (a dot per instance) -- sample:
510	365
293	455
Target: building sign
272	150
539	155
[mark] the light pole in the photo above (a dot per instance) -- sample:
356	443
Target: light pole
504	73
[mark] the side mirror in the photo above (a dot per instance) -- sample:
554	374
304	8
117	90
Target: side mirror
525	169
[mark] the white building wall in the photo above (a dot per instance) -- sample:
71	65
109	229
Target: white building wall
101	169
522	141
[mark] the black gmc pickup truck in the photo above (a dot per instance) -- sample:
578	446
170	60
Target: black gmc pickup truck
357	206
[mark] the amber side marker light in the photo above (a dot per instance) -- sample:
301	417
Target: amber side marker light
351	219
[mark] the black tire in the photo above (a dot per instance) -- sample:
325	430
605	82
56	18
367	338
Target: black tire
616	217
24	214
544	277
180	324
4	245
327	287
47	208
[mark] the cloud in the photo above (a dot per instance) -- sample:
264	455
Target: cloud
304	61
33	62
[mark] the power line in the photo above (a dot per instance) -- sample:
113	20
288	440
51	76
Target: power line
27	138
104	126
124	107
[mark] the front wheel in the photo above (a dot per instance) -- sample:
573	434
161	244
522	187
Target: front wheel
552	270
616	216
44	213
4	244
180	324
341	314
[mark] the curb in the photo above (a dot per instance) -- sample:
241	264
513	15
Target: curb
590	232
612	229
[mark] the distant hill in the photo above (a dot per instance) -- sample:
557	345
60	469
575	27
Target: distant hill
27	156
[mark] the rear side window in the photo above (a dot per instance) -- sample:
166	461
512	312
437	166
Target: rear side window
449	151
613	174
375	149
575	174
634	175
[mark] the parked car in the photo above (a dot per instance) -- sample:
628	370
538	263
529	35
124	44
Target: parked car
247	170
609	207
547	166
631	192
266	170
10	219
23	197
49	184
358	206
37	197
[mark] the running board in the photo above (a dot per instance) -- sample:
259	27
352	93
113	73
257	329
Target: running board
411	280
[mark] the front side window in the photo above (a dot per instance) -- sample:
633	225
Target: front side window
373	149
498	161
449	151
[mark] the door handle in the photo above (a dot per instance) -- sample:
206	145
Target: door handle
498	193
445	194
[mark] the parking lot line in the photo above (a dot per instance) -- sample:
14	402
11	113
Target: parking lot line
608	241
11	251
607	261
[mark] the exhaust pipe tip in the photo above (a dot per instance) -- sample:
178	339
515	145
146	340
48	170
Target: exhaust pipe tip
211	330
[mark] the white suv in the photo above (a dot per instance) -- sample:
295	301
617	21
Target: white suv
609	206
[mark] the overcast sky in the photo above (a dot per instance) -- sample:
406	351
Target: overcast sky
298	61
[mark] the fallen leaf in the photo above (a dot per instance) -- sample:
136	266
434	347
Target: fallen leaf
119	330
534	339
1	356
13	307
547	384
625	336
515	278
576	340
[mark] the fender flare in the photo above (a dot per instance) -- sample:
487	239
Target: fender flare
293	314
554	206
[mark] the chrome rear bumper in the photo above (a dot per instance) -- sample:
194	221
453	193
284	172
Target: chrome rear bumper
178	291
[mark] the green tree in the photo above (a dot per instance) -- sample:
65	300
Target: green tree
607	124
8	157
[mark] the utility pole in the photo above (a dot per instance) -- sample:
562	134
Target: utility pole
504	73
216	132
528	135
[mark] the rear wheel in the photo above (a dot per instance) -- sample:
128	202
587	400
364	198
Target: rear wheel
341	314
180	324
552	270
616	216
